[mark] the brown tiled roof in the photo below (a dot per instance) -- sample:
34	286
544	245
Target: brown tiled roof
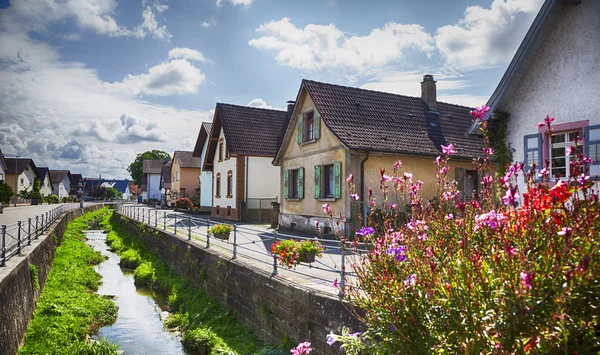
57	176
378	121
152	166
205	129
186	159
248	130
75	178
165	176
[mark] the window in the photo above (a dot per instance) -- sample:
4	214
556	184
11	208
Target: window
22	181
218	185
229	184
328	181
177	175
221	149
227	155
309	126
592	146
1	176
559	158
293	183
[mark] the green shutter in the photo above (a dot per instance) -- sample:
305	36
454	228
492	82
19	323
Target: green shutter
300	127
317	125
317	181
301	183
337	179
286	177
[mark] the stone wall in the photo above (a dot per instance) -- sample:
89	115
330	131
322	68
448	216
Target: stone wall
17	295
272	308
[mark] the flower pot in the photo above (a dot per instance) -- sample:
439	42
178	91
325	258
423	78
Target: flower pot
307	258
222	236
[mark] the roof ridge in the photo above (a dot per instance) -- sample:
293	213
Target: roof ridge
250	107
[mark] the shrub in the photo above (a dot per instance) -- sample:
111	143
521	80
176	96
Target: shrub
130	259
52	198
6	192
184	203
65	199
114	242
482	276
290	252
177	320
205	341
144	274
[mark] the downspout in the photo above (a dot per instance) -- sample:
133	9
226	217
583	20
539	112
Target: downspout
362	186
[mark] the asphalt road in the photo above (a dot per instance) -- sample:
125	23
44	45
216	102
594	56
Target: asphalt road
22	213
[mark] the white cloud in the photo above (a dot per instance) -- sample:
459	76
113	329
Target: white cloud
245	3
205	24
326	46
177	77
125	130
187	53
259	103
409	82
487	36
150	26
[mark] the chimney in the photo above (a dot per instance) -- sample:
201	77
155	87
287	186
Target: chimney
428	92
290	107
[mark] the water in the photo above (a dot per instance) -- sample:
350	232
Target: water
138	329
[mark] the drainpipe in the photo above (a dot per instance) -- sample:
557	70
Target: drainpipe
362	185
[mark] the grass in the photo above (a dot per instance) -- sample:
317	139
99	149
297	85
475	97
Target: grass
69	310
203	321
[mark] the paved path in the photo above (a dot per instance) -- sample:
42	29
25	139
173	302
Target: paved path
253	247
22	213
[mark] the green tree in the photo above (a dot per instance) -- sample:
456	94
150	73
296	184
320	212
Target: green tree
24	194
5	192
111	192
35	193
136	169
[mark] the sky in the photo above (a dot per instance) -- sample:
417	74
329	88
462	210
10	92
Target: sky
85	85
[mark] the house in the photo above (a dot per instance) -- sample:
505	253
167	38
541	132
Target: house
185	170
554	72
206	178
20	173
3	167
335	131
61	182
120	185
134	189
46	185
165	183
76	190
151	179
243	141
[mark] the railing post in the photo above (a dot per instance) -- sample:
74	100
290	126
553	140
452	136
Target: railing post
189	227
47	220
274	256
138	213
19	237
165	220
3	245
175	232
29	232
234	241
149	223
37	231
207	233
155	218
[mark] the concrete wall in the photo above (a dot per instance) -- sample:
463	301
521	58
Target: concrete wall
563	79
272	308
17	296
263	178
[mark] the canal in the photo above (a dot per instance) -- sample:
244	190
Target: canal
138	328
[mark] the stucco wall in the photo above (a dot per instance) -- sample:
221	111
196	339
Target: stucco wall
263	178
206	181
154	186
564	79
175	179
223	167
2	173
46	188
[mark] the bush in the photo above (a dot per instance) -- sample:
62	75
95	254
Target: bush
184	203
6	192
65	199
144	274
51	198
130	259
205	341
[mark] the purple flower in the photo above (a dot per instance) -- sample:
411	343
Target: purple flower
335	283
366	231
511	196
354	335
331	339
449	149
412	279
397	253
527	279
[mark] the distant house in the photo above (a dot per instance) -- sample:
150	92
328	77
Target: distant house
242	144
185	170
46	185
76	185
206	177
61	182
151	179
554	72
21	172
134	189
336	131
120	185
3	167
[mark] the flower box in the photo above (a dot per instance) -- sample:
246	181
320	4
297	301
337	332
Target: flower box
308	257
291	253
222	236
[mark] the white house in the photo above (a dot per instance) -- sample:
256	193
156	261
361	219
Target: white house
120	185
46	185
25	171
151	179
555	72
206	176
3	167
61	182
243	142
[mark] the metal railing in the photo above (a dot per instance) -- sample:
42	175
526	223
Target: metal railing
19	235
251	244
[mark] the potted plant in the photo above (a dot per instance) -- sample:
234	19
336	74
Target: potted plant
291	253
220	231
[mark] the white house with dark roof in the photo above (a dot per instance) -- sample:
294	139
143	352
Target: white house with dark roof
556	72
20	173
206	176
152	170
61	182
46	185
3	167
243	141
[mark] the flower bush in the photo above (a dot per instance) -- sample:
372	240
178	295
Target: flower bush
184	203
290	252
480	277
221	228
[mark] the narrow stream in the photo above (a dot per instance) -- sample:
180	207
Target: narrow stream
138	329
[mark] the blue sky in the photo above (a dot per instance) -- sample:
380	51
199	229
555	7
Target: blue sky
87	84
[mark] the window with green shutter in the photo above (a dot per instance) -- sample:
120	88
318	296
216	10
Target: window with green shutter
337	179
300	183
317	181
317	125
293	183
300	127
286	177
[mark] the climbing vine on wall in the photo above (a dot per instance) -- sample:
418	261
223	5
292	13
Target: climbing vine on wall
497	127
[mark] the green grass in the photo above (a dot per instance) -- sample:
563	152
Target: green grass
202	319
69	309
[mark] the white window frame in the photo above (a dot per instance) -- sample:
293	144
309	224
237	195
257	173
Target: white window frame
567	143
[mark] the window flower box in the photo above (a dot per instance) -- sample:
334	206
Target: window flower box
220	231
291	253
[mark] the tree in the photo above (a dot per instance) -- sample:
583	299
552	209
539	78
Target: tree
136	169
35	193
111	192
25	194
5	192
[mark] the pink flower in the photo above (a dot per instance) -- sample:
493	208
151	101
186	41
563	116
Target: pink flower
511	196
570	150
487	180
582	179
437	160
565	231
527	279
326	208
479	112
449	149
355	197
547	121
398	165
488	151
335	283
449	216
393	205
350	178
408	176
544	172
302	349
386	178
444	170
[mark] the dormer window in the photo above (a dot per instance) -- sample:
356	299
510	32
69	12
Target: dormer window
309	126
